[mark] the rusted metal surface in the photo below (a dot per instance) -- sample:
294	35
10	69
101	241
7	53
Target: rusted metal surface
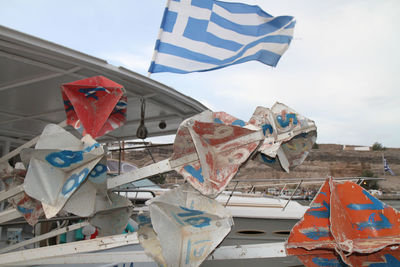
44	236
92	195
222	143
360	222
184	224
27	256
94	105
58	165
185	227
29	208
148	239
111	217
210	147
346	225
289	136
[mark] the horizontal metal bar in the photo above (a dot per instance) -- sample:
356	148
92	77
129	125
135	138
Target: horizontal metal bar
9	215
255	251
101	243
91	258
150	170
140	147
28	144
54	219
29	117
44	236
12	140
147	171
255	180
38	79
12	192
132	190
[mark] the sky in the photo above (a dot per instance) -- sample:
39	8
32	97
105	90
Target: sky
341	69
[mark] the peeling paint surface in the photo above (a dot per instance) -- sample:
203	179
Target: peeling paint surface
28	207
53	182
296	135
94	105
184	227
222	143
346	225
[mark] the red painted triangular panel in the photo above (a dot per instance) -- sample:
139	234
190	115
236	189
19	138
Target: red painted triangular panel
90	103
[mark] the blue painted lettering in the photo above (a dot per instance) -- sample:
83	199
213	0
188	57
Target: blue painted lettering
375	205
315	233
198	222
195	173
24	210
238	123
189	212
391	261
289	118
324	213
66	158
328	262
235	123
268	127
68	106
98	170
188	251
218	120
372	223
74	181
92	92
267	159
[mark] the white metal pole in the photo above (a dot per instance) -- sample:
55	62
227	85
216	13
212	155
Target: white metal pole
29	255
44	236
28	144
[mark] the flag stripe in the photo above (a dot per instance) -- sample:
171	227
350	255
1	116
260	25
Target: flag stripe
197	46
168	48
180	64
245	39
239	8
259	30
386	167
195	12
186	66
212	51
245	19
194	26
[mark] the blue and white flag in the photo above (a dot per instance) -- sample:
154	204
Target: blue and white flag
202	35
386	167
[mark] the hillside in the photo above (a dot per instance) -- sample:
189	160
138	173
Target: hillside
327	160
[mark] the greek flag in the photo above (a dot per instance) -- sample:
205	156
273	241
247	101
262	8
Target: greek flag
202	35
386	167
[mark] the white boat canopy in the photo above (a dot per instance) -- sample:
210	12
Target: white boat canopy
32	71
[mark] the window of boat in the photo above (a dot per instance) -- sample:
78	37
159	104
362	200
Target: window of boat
251	232
282	232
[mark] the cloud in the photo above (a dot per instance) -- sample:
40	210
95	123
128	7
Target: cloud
341	69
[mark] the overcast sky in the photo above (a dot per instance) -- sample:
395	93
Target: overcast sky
341	70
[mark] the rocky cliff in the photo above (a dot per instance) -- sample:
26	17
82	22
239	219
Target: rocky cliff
327	160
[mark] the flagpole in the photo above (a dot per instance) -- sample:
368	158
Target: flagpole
160	31
383	161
